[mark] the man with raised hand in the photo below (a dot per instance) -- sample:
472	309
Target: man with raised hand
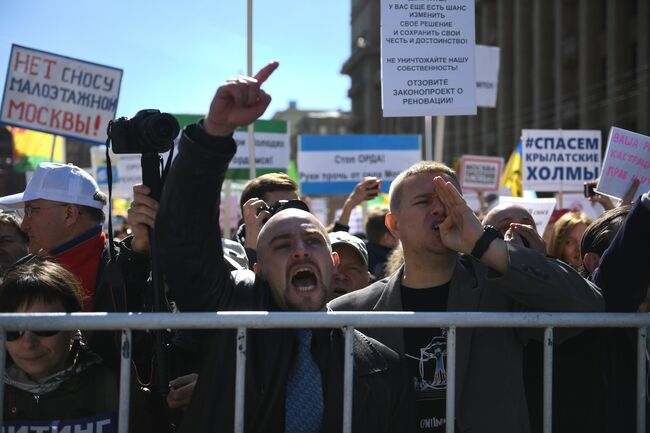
294	378
453	263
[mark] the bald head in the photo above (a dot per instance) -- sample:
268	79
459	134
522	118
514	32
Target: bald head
289	218
295	259
504	214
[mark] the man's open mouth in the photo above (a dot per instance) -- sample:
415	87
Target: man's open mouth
304	279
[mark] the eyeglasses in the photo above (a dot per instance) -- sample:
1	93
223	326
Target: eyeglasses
15	335
30	209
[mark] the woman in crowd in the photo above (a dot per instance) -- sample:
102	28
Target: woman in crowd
565	240
54	378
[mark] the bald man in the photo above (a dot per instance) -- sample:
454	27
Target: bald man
294	378
516	225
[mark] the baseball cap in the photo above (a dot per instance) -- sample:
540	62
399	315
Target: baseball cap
353	241
65	183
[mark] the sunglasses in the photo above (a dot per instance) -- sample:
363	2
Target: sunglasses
15	335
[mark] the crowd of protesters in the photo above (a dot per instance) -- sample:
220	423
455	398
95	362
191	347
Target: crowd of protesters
426	251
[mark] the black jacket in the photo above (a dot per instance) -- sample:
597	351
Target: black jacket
188	236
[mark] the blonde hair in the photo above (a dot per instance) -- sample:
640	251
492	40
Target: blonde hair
563	226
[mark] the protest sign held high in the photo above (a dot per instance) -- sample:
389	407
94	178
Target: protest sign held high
487	75
480	173
627	158
271	150
334	164
559	160
427	58
60	95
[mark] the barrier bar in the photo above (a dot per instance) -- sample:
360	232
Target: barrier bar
641	380
548	380
125	382
450	416
264	319
240	380
348	379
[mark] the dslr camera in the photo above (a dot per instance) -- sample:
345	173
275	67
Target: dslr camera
149	131
285	204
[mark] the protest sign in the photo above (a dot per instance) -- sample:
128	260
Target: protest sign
427	58
540	208
487	75
559	160
96	424
480	173
580	203
334	164
271	149
126	170
627	158
60	95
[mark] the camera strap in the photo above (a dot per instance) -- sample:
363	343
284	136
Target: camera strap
167	165
109	178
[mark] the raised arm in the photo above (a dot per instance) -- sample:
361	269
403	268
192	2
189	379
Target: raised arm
187	225
530	278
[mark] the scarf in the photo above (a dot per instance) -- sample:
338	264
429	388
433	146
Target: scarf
81	256
83	358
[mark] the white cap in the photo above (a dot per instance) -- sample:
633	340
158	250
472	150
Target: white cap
53	181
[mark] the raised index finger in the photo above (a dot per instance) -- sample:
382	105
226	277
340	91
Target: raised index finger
266	72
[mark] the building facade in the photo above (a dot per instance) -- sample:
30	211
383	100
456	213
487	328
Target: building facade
565	64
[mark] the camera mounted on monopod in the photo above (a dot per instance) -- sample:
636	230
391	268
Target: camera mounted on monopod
148	133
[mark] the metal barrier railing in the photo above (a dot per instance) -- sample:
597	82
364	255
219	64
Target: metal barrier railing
344	320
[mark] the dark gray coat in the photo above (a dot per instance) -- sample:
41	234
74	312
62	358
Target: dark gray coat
490	391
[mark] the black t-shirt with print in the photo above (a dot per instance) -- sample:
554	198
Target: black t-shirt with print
425	352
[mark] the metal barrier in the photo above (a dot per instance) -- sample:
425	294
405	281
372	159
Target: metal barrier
344	320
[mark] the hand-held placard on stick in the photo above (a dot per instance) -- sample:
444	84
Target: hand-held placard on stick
59	95
427	58
480	173
335	164
559	160
627	158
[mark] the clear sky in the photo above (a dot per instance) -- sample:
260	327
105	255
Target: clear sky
174	54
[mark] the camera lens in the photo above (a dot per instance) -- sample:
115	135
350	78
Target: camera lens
161	130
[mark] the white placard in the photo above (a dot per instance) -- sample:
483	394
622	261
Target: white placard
487	75
627	158
59	95
126	169
540	208
427	57
559	160
580	203
480	173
